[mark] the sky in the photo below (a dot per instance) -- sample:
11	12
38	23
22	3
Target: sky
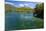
21	3
27	0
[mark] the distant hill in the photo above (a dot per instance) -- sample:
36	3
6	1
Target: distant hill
10	8
24	9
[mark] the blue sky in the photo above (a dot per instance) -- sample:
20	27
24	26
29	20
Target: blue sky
22	3
27	0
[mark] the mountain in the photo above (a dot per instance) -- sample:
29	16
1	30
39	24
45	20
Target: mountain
9	7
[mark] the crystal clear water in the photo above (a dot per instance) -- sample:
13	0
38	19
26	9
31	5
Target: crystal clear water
11	18
20	21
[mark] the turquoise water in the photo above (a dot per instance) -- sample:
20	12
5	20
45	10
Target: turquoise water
20	21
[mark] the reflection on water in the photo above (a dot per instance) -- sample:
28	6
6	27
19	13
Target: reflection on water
11	18
26	16
19	16
17	21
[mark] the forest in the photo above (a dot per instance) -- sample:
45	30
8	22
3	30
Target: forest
39	10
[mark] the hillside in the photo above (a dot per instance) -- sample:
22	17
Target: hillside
10	8
24	10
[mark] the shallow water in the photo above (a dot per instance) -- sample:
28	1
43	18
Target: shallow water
19	21
11	18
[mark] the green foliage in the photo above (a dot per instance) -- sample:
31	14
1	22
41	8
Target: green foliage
39	10
24	10
39	24
40	6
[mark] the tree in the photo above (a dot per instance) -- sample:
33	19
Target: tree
39	10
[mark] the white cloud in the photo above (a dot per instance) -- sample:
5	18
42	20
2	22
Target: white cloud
21	5
10	3
26	4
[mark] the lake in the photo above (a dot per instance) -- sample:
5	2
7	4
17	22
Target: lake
19	21
11	18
